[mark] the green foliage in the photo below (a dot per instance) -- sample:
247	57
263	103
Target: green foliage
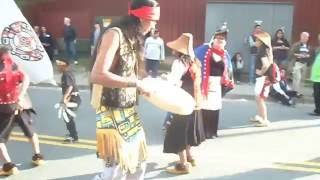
22	3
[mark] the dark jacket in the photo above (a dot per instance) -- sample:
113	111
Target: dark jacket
47	39
69	33
295	49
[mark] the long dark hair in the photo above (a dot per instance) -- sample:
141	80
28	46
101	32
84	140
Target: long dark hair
275	37
131	29
234	58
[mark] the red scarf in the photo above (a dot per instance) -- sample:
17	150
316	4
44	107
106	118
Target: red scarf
225	80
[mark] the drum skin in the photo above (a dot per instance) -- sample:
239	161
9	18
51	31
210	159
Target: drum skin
168	97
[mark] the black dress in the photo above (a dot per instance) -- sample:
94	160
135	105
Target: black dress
184	130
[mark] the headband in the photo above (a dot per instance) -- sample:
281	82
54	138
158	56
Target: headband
146	12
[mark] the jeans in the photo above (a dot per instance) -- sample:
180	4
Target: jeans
252	68
70	48
152	67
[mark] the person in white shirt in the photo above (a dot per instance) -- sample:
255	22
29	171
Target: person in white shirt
154	53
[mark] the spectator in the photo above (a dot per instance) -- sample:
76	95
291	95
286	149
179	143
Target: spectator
70	36
253	51
47	42
238	66
281	47
281	91
301	55
154	53
315	78
37	30
94	36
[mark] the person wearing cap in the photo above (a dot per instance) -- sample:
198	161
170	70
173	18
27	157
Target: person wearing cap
253	51
154	52
118	68
185	131
70	94
216	66
315	78
264	60
15	108
301	57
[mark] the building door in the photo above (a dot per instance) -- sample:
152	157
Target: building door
240	18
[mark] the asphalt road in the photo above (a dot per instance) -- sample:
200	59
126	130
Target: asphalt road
287	150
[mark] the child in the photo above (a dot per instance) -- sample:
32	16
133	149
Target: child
282	92
70	94
238	65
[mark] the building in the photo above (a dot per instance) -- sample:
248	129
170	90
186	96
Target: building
200	17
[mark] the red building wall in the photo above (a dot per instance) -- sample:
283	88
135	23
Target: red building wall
307	18
177	16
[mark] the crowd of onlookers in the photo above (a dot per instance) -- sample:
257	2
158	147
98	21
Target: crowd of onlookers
293	59
69	39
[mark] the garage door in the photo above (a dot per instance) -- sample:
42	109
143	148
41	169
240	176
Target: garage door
240	18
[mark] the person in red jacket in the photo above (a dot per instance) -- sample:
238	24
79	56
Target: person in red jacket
14	109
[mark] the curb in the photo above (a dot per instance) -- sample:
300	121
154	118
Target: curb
80	87
303	100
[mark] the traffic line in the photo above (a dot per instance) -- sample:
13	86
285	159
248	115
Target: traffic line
56	141
312	167
309	163
57	138
75	145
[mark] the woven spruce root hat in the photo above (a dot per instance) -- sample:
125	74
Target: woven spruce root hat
265	38
184	44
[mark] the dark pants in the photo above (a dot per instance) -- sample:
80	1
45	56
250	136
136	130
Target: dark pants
283	99
211	123
70	48
152	67
316	95
167	119
50	52
71	125
8	121
237	74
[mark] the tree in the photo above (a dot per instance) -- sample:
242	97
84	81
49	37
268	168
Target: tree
22	3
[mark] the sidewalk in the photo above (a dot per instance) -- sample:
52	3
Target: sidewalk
241	91
246	91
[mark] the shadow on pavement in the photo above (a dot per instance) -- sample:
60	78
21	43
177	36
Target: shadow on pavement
264	174
84	177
